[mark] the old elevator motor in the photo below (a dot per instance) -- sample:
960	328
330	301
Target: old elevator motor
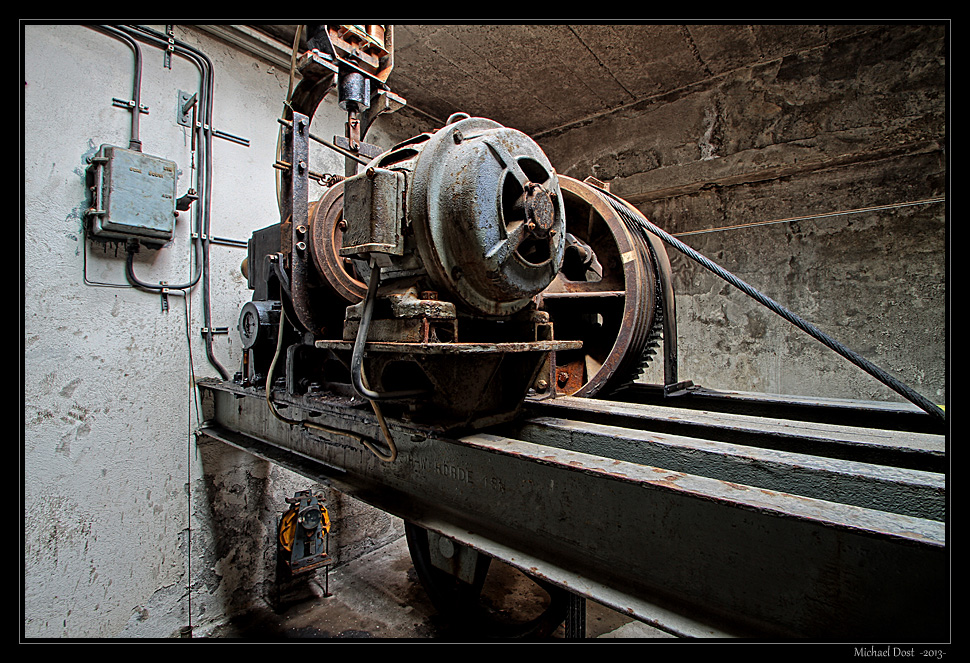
425	268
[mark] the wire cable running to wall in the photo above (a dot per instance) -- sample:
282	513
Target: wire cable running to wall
193	401
369	444
634	216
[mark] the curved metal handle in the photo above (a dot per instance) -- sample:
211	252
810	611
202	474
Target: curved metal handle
357	358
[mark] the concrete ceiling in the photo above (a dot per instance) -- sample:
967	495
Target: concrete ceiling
538	78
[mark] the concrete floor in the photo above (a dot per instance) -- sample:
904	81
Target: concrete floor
379	596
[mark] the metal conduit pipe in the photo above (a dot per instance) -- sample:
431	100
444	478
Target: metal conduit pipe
369	444
357	358
205	170
134	141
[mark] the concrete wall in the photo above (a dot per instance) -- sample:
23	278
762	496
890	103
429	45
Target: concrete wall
131	529
843	118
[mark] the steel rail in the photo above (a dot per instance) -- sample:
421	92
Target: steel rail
687	548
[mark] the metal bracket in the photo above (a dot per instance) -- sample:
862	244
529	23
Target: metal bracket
129	104
205	331
183	203
295	184
186	117
170	31
187	101
364	149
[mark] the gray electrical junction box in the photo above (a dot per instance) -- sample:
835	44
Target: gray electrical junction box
133	195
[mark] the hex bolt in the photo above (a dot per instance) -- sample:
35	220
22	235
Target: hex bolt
301	246
301	230
458	137
542	385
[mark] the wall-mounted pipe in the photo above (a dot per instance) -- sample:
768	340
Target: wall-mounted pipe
134	143
204	187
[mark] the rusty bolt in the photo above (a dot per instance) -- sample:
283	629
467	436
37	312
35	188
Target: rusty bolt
562	377
342	224
429	294
542	385
301	230
301	246
457	135
371	173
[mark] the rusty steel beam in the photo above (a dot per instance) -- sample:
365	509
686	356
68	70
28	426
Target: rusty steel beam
691	554
894	447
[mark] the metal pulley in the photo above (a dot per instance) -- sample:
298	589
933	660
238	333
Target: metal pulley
327	227
609	294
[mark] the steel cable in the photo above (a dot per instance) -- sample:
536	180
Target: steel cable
634	215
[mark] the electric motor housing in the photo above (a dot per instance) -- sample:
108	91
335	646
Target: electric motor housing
476	207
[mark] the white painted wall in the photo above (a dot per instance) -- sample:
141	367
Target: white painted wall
110	463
